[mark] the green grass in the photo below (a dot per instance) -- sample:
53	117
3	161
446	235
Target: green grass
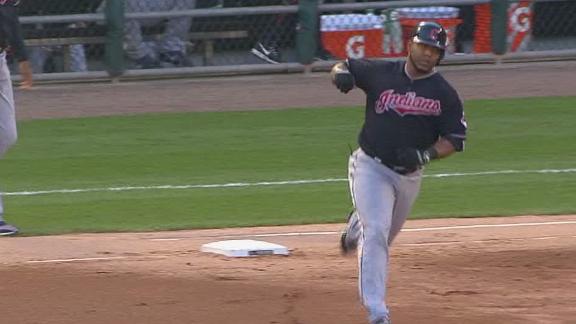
226	147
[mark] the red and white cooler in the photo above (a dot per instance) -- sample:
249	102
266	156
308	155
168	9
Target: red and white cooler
352	35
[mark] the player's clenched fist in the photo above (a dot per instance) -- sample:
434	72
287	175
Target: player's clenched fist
342	78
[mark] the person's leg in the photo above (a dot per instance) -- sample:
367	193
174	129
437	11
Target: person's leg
5	228
277	32
374	197
77	58
173	43
407	189
77	54
37	56
136	48
8	132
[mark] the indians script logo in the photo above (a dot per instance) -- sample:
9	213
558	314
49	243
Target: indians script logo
10	2
407	104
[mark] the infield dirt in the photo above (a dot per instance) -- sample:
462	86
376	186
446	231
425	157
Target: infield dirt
522	273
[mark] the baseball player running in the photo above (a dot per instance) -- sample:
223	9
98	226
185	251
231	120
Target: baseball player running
413	116
10	35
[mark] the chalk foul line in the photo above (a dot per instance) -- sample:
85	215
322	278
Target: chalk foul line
420	229
417	244
267	183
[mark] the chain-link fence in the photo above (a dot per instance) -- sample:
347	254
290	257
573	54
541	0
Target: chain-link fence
553	25
79	35
225	39
62	46
529	26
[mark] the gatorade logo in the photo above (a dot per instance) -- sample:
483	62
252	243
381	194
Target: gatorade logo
520	19
355	47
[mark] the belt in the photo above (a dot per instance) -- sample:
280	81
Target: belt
396	168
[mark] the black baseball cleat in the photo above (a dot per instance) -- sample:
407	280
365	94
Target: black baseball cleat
349	244
268	53
344	248
7	229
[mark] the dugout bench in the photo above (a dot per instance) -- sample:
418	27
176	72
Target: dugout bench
96	35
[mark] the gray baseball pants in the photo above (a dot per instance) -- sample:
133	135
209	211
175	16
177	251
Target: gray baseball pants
8	133
175	34
382	200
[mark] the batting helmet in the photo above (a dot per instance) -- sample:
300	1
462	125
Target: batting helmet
431	33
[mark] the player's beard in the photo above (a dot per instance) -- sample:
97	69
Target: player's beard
418	68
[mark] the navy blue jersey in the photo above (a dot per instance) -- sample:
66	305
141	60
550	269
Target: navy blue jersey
401	112
10	33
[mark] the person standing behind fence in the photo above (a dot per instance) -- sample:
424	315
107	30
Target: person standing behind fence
10	39
170	49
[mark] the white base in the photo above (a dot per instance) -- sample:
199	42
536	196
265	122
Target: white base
244	248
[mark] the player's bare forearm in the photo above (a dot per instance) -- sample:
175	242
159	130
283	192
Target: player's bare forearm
443	148
26	74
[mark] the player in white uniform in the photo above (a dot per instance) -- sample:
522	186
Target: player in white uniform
10	36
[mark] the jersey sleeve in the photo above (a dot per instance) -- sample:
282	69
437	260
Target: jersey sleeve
361	70
453	124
